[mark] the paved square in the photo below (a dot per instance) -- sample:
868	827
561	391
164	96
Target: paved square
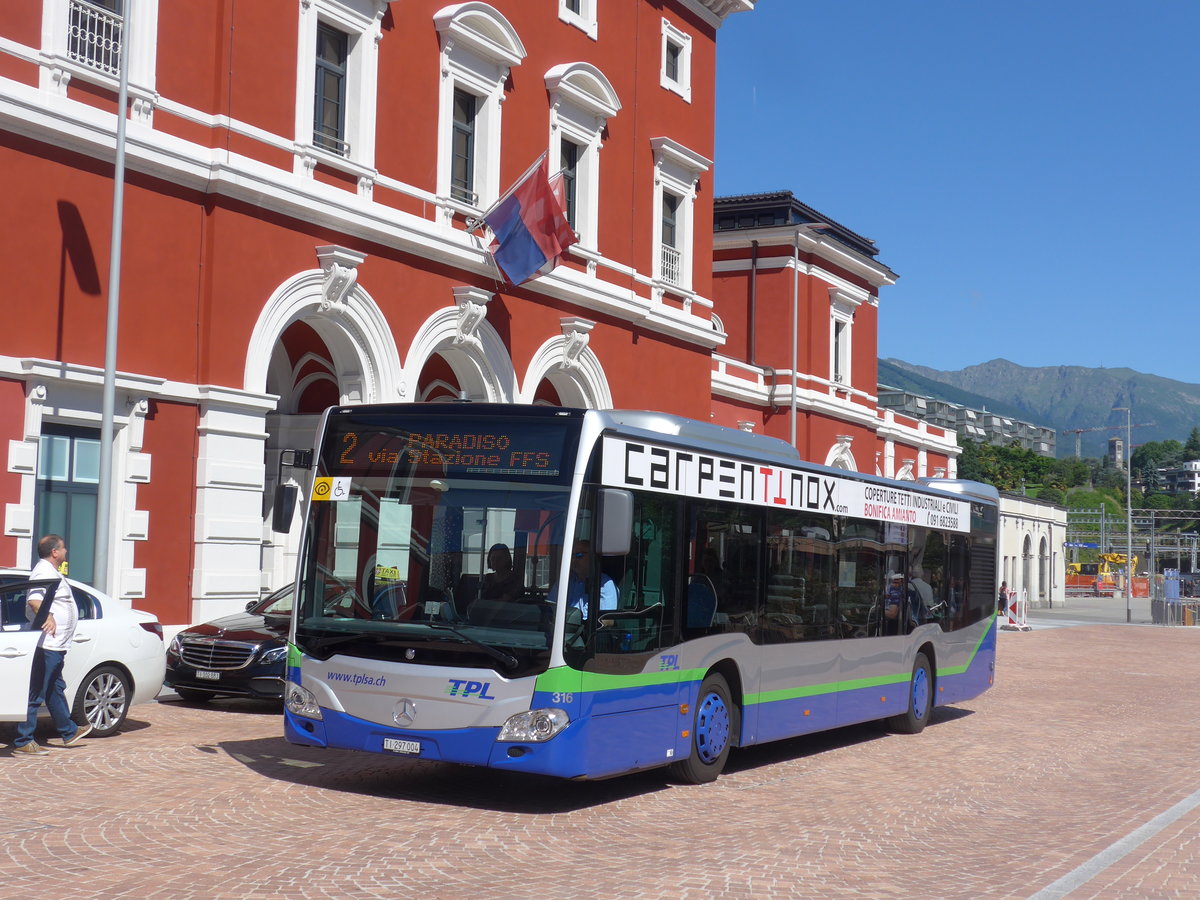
1090	734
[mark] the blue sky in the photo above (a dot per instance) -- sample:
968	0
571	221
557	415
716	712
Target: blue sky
1028	167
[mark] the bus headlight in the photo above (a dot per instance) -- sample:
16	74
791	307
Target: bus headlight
301	702
534	726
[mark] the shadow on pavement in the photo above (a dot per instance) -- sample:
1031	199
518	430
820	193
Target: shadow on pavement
810	745
427	781
227	705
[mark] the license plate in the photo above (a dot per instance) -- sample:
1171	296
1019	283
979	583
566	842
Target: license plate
413	748
208	676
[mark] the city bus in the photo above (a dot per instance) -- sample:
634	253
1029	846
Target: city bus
587	593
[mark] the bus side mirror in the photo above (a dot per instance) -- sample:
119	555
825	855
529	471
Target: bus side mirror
616	522
285	505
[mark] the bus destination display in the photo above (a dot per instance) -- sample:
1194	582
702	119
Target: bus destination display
512	450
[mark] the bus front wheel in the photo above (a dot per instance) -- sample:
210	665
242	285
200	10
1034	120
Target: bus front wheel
712	733
920	699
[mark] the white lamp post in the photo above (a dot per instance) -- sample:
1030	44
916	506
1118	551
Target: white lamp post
1128	509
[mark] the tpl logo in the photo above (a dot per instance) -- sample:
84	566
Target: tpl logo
464	688
668	662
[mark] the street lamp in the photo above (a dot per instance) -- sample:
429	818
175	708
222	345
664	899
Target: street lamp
1128	508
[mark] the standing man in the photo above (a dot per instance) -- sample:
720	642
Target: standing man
46	684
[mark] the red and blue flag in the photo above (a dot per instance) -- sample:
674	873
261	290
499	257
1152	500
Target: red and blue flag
530	230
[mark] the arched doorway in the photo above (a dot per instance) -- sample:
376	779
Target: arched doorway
320	340
1027	567
1044	572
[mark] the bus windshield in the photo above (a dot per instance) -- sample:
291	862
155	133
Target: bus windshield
434	540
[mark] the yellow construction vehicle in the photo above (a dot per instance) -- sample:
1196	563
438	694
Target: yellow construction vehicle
1106	569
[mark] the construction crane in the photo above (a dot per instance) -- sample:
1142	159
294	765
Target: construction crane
1078	431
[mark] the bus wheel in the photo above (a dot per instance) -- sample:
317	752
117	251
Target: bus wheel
712	734
920	699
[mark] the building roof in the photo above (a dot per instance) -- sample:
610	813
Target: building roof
781	209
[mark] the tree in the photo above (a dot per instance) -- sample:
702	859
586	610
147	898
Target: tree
1191	449
1051	494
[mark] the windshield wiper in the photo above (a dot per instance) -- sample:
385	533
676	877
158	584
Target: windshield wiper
509	661
332	640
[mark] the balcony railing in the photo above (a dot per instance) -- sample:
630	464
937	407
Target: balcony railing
671	265
94	37
331	143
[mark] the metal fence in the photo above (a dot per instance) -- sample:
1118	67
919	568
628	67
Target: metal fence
1170	604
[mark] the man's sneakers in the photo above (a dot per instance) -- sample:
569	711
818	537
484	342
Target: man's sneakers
33	748
80	733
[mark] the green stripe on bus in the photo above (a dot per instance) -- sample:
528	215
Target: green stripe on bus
830	687
567	680
958	670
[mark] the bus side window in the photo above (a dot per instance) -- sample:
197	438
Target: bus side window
799	590
725	554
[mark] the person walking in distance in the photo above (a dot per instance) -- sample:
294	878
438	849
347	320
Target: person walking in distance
46	684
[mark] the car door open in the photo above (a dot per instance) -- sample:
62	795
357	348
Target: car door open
18	641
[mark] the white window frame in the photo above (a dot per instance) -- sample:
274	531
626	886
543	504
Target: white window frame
478	49
677	170
57	69
582	100
683	84
362	22
842	309
584	20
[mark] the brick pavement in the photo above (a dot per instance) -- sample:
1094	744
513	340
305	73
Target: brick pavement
1090	733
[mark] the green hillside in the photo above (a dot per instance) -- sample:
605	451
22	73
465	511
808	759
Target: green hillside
1062	397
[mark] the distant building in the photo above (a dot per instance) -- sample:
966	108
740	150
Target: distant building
1182	479
1116	452
1032	533
973	424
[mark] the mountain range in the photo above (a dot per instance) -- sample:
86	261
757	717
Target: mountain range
1062	398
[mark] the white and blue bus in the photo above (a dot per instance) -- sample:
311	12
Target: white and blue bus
586	593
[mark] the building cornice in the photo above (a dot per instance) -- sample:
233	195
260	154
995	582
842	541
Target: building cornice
831	251
89	131
715	12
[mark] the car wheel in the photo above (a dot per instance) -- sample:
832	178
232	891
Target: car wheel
193	696
103	700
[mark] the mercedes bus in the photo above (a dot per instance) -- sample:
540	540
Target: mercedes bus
587	593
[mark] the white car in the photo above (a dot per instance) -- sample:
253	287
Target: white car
117	657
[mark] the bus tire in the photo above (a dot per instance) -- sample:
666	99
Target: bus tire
713	728
920	699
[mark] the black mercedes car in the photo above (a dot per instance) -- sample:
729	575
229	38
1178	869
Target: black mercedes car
240	655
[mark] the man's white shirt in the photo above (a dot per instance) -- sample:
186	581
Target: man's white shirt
64	610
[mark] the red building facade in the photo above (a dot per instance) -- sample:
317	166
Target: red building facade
302	188
797	295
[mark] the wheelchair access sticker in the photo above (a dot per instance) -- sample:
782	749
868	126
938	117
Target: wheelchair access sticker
331	488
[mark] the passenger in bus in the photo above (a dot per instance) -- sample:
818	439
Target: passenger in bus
893	603
502	583
921	602
580	579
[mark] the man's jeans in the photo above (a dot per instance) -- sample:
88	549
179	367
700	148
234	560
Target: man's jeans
46	685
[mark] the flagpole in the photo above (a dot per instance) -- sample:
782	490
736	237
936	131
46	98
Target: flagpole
473	224
102	574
